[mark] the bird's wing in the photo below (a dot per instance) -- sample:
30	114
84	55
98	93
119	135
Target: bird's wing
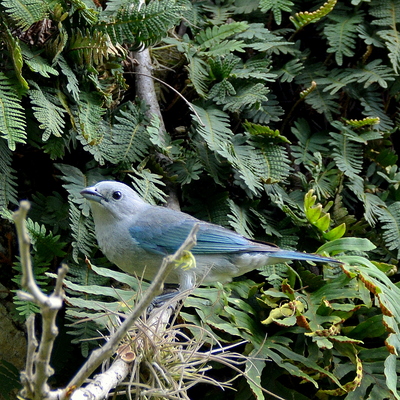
163	231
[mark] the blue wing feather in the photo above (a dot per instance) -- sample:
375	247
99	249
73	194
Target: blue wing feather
162	231
165	232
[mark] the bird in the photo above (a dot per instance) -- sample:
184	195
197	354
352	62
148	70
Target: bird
136	236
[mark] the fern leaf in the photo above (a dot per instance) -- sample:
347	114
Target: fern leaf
308	143
212	163
246	96
47	110
239	219
130	139
72	81
87	10
89	115
14	48
12	118
143	24
301	19
276	6
392	41
36	63
198	75
213	127
265	132
387	14
373	107
219	13
226	47
88	47
274	162
187	170
82	229
390	219
347	154
211	37
268	111
26	12
342	35
8	192
145	183
323	103
290	70
371	73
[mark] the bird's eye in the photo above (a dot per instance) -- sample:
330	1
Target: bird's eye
117	195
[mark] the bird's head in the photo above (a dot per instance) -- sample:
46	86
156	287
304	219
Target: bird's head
115	198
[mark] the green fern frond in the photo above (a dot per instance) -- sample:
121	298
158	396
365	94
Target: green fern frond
187	170
323	102
392	42
265	132
89	47
143	24
211	37
82	229
390	220
130	138
342	35
199	75
246	96
249	165
274	162
373	107
221	90
89	115
45	244
290	70
240	220
222	67
226	47
72	81
259	38
301	19
254	68
14	48
89	13
347	154
216	129
386	12
12	117
357	123
24	13
36	63
47	110
126	141
371	73
146	184
257	162
276	6
308	143
269	111
219	13
8	191
212	163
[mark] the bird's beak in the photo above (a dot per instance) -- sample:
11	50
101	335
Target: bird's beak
92	194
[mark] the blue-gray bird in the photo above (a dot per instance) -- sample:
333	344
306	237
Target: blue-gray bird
136	236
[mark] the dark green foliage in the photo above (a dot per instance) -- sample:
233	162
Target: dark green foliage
290	100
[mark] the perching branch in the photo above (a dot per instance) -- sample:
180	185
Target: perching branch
37	369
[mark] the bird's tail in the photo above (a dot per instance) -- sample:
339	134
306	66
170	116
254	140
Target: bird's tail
288	255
